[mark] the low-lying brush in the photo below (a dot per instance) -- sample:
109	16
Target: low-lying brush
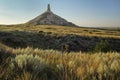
36	64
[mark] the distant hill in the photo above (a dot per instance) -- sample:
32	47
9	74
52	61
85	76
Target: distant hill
49	18
110	28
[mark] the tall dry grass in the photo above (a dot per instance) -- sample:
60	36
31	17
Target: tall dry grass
37	64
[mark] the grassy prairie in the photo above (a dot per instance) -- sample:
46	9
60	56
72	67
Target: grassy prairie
61	30
37	64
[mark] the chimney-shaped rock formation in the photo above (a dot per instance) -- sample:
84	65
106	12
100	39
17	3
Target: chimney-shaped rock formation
49	18
48	9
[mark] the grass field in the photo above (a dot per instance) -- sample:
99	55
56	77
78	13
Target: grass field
61	30
38	64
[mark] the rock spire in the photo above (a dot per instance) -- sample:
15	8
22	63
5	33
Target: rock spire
48	8
49	18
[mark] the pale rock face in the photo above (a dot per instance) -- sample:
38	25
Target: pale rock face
49	18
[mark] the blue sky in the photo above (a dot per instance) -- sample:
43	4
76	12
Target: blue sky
88	13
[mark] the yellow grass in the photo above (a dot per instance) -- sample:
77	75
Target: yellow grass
84	66
62	30
72	66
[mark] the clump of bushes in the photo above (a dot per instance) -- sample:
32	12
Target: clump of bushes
102	46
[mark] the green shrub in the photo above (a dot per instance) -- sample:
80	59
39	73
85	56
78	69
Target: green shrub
30	61
103	46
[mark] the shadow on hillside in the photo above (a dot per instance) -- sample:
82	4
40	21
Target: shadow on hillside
45	40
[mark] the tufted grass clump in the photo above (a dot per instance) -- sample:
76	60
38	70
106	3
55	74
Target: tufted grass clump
30	62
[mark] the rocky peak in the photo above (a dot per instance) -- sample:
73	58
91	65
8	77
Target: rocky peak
48	9
49	18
